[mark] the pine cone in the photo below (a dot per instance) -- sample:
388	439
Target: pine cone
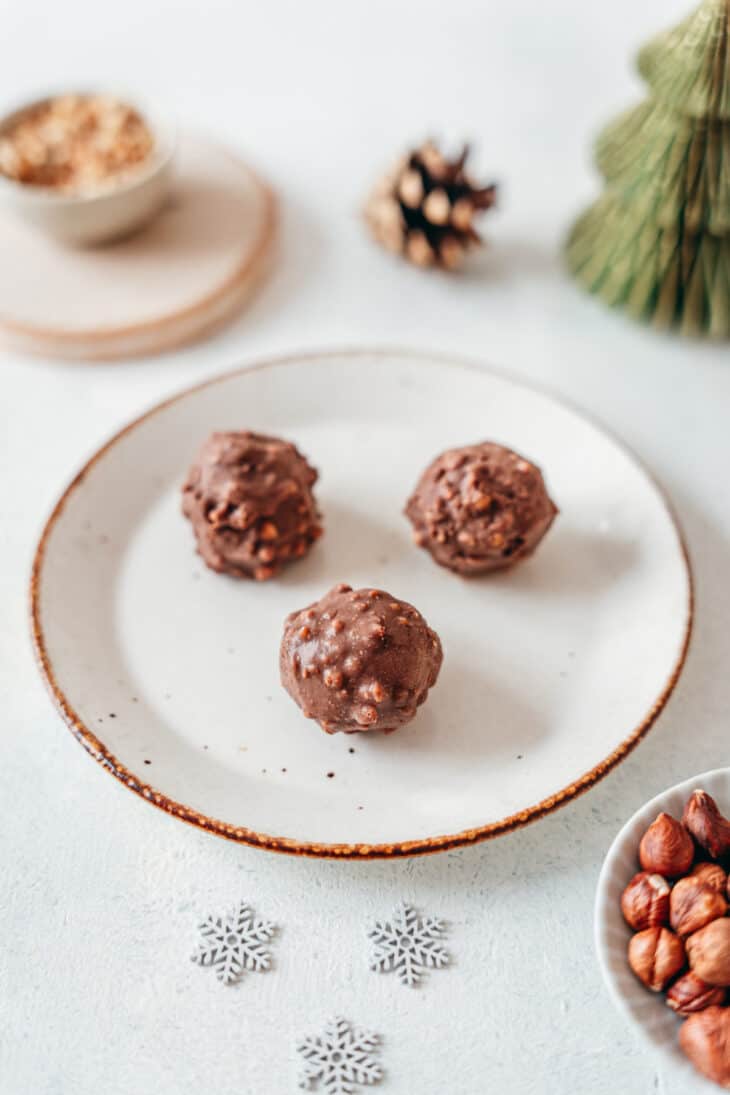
423	208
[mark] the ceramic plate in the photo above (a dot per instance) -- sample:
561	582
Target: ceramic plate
168	673
648	1013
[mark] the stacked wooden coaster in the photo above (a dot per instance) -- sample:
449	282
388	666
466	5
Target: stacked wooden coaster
190	271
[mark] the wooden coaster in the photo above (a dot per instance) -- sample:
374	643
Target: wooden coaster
189	272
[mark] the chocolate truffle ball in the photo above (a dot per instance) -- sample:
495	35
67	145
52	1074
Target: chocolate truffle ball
359	659
480	508
249	499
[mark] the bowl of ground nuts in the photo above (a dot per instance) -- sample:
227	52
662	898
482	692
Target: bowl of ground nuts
85	167
662	927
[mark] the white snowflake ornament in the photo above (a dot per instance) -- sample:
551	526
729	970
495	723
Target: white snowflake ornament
234	943
339	1059
409	944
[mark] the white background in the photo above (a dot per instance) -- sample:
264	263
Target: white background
100	893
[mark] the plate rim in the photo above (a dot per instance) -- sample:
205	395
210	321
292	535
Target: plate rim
419	846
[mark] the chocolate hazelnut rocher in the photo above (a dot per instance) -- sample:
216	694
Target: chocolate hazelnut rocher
359	659
480	508
249	499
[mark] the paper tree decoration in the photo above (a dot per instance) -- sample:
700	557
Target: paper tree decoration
657	242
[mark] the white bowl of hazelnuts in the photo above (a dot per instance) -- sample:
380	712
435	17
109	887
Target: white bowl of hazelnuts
662	926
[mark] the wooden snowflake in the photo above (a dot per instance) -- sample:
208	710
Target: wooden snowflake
409	944
234	943
339	1059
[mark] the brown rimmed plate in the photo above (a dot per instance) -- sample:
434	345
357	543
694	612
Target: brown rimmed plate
167	673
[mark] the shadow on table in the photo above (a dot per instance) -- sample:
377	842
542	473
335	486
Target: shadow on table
469	713
512	259
570	561
353	543
294	260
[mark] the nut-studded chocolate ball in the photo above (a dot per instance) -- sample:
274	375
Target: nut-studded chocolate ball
359	659
249	499
480	508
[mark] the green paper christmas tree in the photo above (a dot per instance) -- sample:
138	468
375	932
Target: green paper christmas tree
657	242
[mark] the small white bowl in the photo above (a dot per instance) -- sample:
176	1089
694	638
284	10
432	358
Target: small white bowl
647	1011
116	211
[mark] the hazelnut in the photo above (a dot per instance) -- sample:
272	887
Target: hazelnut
709	952
656	955
705	1038
712	875
693	904
706	824
268	531
690	994
645	901
666	848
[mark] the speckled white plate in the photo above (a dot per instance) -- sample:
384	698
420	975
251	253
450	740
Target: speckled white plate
168	673
646	1010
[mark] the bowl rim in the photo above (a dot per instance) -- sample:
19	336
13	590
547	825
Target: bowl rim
607	915
163	128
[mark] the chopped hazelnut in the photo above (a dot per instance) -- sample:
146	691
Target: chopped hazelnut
366	715
75	144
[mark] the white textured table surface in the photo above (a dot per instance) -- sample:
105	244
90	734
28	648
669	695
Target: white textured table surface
100	893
